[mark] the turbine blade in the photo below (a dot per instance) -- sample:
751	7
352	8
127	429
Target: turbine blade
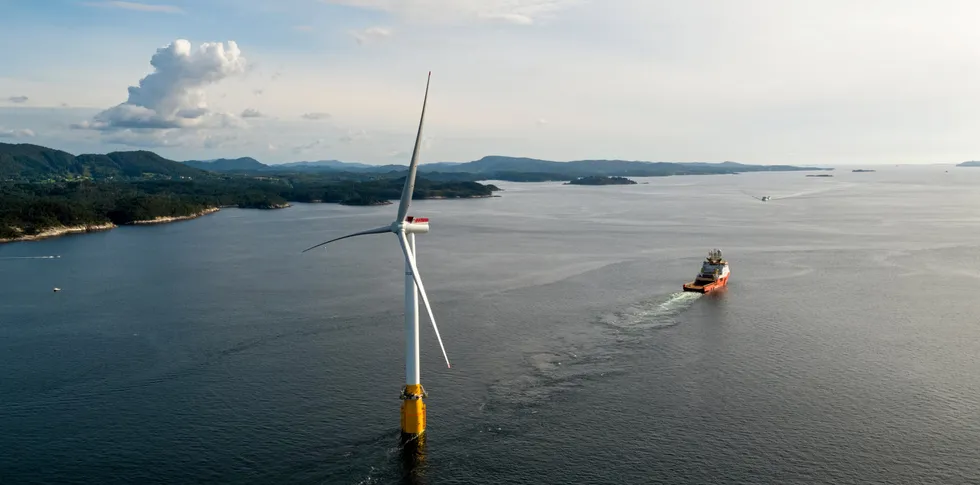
410	257
409	187
378	230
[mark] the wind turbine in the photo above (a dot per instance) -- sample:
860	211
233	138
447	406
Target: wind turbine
405	227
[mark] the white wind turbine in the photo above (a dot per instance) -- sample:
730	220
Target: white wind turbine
406	227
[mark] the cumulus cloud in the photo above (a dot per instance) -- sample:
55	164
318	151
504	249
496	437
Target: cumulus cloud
172	96
520	12
315	116
17	99
251	113
371	34
24	133
140	139
141	7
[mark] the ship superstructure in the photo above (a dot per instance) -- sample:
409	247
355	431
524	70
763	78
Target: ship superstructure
714	274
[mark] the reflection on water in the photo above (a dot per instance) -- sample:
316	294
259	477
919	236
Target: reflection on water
413	459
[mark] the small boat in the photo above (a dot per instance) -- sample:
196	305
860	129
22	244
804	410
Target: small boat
56	289
714	274
765	198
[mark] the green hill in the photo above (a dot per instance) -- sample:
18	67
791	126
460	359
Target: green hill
228	164
25	162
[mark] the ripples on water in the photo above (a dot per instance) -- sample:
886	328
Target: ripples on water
843	350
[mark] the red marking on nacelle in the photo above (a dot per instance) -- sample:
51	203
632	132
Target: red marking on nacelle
421	220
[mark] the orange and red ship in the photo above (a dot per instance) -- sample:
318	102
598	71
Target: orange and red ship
714	274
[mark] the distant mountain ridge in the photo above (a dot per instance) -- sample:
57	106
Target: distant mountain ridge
497	164
326	164
968	164
227	164
34	162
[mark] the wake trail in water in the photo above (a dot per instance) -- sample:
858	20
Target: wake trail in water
652	314
567	367
804	194
30	257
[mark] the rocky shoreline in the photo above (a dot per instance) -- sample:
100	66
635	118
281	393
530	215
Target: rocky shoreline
163	220
60	231
66	230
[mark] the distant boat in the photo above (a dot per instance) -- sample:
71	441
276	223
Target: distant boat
765	198
713	275
56	289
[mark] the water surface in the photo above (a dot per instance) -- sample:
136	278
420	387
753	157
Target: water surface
844	350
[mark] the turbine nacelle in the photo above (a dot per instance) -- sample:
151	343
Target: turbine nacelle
411	225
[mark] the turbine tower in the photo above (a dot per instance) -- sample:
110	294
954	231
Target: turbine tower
405	227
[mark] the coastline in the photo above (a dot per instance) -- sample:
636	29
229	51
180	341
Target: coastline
60	231
166	219
81	229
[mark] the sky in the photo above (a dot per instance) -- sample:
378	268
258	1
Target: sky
828	82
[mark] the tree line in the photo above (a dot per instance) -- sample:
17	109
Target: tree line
29	208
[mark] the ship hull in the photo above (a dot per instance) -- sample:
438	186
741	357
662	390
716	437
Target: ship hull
714	285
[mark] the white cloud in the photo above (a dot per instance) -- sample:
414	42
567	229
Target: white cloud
23	133
172	97
521	12
17	99
140	139
141	7
371	35
315	116
251	113
755	81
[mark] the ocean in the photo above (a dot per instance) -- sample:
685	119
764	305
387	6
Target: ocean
844	350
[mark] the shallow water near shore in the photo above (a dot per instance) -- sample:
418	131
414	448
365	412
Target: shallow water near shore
844	349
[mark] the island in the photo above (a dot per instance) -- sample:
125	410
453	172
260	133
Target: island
862	170
601	180
968	164
46	192
820	175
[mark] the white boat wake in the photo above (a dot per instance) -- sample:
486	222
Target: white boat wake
652	314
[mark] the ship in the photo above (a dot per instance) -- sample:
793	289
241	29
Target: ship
714	274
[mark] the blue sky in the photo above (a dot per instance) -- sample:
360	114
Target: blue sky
756	81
